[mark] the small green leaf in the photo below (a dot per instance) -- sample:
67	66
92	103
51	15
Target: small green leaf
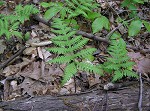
45	5
99	23
134	27
139	1
51	12
27	36
96	25
93	15
147	25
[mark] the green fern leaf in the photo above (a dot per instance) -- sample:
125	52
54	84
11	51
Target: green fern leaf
70	71
17	34
85	66
64	37
57	50
119	63
130	73
62	59
117	75
79	44
85	52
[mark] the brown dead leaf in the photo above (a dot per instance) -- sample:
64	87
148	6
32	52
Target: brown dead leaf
31	86
144	65
30	51
134	55
14	69
34	71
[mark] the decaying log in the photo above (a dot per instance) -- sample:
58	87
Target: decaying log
125	99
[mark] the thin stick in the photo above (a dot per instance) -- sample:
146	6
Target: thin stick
141	92
3	65
111	32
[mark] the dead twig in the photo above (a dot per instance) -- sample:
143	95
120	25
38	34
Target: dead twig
3	65
141	92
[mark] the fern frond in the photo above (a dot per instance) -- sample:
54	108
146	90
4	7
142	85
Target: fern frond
24	13
127	64
119	62
62	59
117	75
79	45
70	71
85	52
71	47
85	66
64	37
112	66
67	42
130	73
57	50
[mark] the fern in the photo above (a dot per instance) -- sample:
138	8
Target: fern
9	27
69	48
72	8
9	24
23	13
119	63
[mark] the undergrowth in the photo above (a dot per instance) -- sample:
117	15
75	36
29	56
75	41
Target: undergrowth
70	50
9	24
118	64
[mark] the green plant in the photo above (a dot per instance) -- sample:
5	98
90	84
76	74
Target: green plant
1	2
69	8
136	25
9	24
132	6
9	27
119	63
73	8
70	50
23	13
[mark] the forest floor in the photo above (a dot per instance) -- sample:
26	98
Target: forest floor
25	72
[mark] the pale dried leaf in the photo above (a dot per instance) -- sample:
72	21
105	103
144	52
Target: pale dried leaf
46	54
33	34
30	51
40	53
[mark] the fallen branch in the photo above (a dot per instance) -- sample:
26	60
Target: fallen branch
121	100
91	36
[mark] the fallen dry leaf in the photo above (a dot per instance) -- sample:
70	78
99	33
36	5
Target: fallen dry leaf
14	69
34	71
144	65
30	51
